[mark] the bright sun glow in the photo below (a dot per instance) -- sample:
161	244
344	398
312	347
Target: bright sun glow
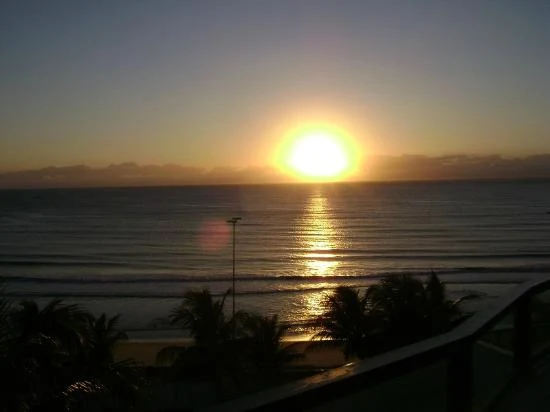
318	154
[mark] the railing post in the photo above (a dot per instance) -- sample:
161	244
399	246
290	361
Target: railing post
522	337
460	380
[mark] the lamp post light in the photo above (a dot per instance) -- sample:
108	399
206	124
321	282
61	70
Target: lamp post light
234	221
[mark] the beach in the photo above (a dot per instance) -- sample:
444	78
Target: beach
313	355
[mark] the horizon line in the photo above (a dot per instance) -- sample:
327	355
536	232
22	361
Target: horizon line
289	183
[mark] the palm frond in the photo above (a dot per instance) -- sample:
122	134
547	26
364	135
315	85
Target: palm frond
170	355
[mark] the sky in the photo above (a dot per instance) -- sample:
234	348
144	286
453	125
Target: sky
218	84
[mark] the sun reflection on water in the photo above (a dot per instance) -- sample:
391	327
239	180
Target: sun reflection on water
319	238
309	306
313	302
318	251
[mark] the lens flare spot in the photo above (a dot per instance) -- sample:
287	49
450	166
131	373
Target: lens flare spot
213	235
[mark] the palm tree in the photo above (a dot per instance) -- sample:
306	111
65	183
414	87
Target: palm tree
5	315
43	344
204	318
58	357
215	356
263	339
399	302
16	378
66	326
97	377
396	311
235	353
411	310
443	312
103	338
346	319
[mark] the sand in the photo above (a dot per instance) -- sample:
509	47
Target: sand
145	351
314	355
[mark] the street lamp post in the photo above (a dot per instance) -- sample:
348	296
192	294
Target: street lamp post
234	221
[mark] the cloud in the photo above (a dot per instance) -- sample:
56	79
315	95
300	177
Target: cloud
418	167
132	174
405	167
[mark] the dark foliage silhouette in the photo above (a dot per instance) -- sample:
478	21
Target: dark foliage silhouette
59	357
263	342
228	350
396	311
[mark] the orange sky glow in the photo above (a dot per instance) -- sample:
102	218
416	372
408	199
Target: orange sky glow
219	93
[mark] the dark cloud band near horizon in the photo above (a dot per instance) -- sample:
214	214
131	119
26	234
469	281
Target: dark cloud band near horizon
380	168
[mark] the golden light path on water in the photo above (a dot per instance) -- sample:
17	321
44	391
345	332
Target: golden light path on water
319	240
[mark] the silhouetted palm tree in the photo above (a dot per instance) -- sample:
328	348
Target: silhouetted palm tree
97	377
263	338
5	314
55	358
346	319
65	324
399	302
17	378
227	351
204	317
216	355
396	311
444	312
104	335
43	345
411	310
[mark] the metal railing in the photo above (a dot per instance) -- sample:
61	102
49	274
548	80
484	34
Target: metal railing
454	347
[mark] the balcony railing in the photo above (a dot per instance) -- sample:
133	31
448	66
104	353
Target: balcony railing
452	355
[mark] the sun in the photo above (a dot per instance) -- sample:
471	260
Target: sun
319	154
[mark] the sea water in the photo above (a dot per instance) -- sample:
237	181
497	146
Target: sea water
135	251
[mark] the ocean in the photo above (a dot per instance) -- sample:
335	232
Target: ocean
134	251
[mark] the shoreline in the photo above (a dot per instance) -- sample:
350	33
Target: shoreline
145	351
